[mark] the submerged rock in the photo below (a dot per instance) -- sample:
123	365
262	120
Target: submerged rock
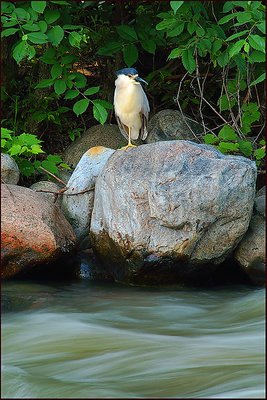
9	169
33	230
78	200
251	251
167	209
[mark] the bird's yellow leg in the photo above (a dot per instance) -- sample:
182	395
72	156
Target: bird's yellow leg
129	142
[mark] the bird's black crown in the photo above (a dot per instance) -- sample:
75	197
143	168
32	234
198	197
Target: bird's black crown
126	71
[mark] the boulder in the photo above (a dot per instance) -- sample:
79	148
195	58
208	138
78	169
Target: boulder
9	169
33	230
251	253
167	209
78	200
99	135
172	125
48	189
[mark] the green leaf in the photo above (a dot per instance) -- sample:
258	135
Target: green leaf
38	6
166	24
60	86
81	106
20	51
21	14
15	149
50	166
56	71
127	32
261	78
226	104
188	60
228	147
257	56
80	80
227	18
175	5
54	158
7	7
177	30
259	153
55	35
104	103
209	138
44	83
191	27
109	49
31	27
9	32
51	16
149	45
236	35
37	37
75	39
236	47
61	3
227	133
92	90
261	27
100	113
71	94
42	26
216	45
244	17
175	53
223	58
257	42
26	168
245	147
68	59
130	54
36	149
49	56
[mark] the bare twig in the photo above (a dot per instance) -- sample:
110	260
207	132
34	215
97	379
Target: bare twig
53	176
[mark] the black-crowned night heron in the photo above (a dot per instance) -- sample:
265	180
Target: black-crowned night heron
131	105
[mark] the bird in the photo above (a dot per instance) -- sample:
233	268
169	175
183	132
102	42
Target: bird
131	105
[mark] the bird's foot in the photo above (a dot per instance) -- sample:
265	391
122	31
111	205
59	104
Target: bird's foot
128	145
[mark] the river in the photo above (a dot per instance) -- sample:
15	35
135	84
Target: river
93	340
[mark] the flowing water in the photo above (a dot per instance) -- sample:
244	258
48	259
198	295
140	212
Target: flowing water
91	340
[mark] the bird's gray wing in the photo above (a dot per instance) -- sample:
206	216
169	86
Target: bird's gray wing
122	127
144	118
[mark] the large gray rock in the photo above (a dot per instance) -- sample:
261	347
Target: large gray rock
9	169
99	135
172	125
33	231
251	251
170	206
78	200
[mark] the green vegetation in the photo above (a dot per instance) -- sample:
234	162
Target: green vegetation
205	58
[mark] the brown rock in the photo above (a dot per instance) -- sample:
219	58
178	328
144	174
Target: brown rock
33	230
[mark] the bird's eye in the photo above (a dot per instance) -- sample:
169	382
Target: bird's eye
130	75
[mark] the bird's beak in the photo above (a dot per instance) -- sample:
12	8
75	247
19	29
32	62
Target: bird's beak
138	79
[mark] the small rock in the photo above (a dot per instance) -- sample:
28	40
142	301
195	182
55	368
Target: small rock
48	189
108	136
33	230
251	251
9	169
172	125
